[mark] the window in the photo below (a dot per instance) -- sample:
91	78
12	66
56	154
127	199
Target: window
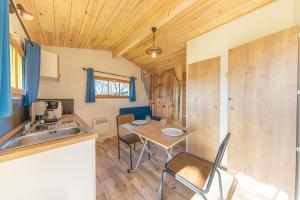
17	68
111	88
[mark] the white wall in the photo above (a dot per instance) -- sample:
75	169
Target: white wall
72	83
65	173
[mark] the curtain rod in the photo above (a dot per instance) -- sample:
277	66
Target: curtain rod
111	73
21	22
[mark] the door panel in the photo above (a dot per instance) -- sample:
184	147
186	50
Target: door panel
262	109
204	107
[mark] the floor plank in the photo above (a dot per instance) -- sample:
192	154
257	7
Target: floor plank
114	183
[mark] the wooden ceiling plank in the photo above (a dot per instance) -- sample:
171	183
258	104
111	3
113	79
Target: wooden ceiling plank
214	14
94	9
142	30
124	26
78	12
174	32
120	13
118	19
219	12
45	15
62	11
117	15
145	18
108	10
135	17
127	23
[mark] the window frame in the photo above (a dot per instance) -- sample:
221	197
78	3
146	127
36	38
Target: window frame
112	80
15	91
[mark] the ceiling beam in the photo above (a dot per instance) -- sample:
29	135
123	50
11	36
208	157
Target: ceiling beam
142	29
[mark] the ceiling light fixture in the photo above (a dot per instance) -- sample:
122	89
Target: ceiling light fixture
154	51
23	12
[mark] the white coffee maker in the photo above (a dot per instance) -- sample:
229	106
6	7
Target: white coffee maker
48	110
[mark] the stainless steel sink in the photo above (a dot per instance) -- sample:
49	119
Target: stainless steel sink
39	134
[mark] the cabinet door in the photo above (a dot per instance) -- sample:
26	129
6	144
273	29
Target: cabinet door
262	109
49	65
204	107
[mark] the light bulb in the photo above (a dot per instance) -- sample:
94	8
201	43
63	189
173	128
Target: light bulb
27	16
24	13
153	54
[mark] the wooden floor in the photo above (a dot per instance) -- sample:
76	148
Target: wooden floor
114	183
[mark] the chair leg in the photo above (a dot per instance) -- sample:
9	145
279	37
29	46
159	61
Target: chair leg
134	146
220	184
161	189
149	155
130	152
119	149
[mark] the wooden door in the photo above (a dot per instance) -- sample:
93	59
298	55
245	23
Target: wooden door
262	109
204	107
162	90
165	95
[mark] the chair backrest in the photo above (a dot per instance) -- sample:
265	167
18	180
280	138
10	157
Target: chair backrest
218	160
123	119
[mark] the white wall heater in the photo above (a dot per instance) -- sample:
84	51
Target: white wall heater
101	125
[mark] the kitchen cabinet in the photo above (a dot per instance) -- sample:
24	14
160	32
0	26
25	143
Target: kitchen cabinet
49	66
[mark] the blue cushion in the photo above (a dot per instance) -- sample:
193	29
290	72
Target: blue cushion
139	112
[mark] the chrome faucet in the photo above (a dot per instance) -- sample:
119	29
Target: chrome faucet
27	128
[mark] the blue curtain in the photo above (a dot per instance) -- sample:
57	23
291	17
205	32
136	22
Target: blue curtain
90	86
5	84
132	89
32	71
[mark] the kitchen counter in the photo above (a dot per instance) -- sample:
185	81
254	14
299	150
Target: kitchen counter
45	146
62	169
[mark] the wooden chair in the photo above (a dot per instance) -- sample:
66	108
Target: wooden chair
128	139
194	172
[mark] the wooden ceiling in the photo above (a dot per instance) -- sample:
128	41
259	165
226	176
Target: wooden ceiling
123	26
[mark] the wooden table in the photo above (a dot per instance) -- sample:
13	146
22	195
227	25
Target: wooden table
152	132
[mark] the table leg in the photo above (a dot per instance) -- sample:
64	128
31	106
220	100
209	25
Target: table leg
169	154
169	157
143	141
145	146
141	154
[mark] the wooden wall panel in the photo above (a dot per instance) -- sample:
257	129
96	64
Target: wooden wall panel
262	109
204	107
167	95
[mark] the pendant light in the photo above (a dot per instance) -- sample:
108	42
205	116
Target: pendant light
154	51
23	12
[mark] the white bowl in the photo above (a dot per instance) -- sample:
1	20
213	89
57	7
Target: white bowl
173	132
139	122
